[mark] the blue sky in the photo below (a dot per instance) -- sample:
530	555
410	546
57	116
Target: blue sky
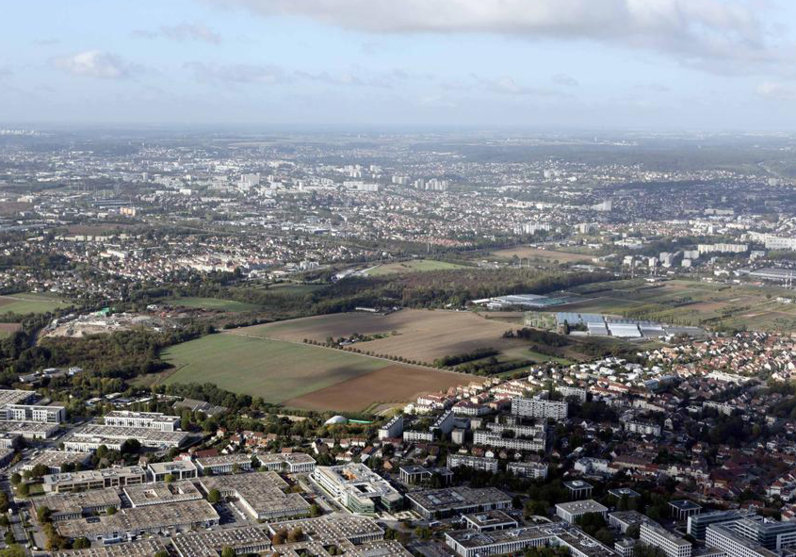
657	64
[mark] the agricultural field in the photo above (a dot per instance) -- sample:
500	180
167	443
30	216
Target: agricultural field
414	266
527	252
380	389
299	375
25	303
682	302
217	304
416	335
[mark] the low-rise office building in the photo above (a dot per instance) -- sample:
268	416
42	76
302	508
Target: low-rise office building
358	488
146	420
572	510
292	463
671	544
94	479
224	464
178	470
438	503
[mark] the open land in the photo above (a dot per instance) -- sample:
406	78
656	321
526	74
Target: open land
281	371
527	252
30	303
683	302
415	266
416	335
213	304
392	384
7	329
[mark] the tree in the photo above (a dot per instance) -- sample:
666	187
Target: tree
16	478
228	552
169	478
111	511
102	450
81	543
13	551
279	537
315	510
10	538
44	514
214	496
23	490
131	446
295	535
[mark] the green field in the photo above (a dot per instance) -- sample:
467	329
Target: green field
274	370
414	266
292	289
214	304
31	303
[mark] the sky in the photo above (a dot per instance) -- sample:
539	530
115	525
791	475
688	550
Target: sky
540	64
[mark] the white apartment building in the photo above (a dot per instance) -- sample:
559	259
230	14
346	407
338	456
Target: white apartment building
537	408
477	462
393	428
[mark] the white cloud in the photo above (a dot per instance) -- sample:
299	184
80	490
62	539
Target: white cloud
238	73
506	85
776	91
713	35
564	79
96	63
182	33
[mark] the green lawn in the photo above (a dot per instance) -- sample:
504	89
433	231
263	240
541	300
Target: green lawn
274	370
414	266
31	303
214	304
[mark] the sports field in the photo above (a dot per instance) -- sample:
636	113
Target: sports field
299	375
213	304
25	303
414	266
421	335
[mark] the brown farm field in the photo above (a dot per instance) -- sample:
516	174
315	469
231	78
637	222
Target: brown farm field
524	252
385	387
421	335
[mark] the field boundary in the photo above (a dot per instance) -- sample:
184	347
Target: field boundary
274	339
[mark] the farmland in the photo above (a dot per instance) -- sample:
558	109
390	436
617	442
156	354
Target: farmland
416	335
682	302
382	388
414	266
214	304
297	374
30	303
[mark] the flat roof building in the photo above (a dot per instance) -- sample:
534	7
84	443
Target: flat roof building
93	479
436	503
261	494
572	510
178	469
671	544
358	488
